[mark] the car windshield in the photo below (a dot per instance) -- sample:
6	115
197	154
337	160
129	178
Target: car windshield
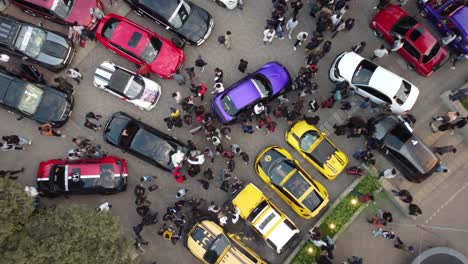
363	72
216	248
255	212
30	41
398	136
31	99
297	185
403	25
262	85
58	174
151	50
178	19
134	88
403	92
431	54
280	170
110	27
62	7
228	105
308	139
312	201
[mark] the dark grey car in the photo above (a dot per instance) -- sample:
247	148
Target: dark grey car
410	155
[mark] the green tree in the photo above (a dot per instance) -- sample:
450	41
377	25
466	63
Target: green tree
15	206
73	234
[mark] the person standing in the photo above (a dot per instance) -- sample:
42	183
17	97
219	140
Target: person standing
177	97
47	130
245	157
326	47
380	52
414	210
242	65
181	193
359	48
388	173
4	58
202	91
296	6
218	75
459	58
445	149
179	78
301	37
105	207
227	40
200	63
75	74
291	25
461	123
459	94
268	35
218	88
397	43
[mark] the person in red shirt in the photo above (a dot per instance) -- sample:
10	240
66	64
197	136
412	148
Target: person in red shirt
201	91
177	175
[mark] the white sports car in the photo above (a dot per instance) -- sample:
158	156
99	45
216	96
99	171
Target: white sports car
127	85
229	4
375	82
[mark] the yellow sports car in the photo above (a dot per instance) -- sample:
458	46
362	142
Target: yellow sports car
276	167
208	242
317	149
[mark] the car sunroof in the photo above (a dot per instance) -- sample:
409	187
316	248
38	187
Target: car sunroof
134	39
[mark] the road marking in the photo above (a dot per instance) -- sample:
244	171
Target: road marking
445	204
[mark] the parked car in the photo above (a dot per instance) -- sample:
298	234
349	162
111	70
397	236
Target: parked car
62	11
421	49
50	49
143	141
265	218
271	80
279	170
188	21
229	4
317	149
127	85
411	156
450	17
39	102
209	243
139	45
61	176
372	81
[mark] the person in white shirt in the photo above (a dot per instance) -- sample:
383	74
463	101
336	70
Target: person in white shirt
380	52
291	25
259	108
268	35
75	74
218	88
105	207
301	37
398	43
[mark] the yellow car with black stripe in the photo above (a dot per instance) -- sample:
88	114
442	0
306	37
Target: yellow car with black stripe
264	217
317	149
208	242
277	168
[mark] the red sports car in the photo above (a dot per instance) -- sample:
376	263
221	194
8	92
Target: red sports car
140	45
421	49
62	11
103	175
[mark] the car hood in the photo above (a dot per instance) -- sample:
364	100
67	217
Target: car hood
80	12
244	94
197	24
387	17
55	50
168	60
54	106
348	64
151	93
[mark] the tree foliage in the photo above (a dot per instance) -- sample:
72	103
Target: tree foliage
16	207
68	235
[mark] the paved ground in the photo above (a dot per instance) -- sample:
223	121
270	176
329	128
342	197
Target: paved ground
247	28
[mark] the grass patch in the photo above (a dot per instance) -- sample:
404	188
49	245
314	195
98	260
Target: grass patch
339	216
464	102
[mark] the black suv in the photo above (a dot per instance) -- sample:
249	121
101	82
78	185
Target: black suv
411	156
49	49
190	22
36	101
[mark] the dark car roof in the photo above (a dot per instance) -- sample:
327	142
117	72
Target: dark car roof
399	138
119	80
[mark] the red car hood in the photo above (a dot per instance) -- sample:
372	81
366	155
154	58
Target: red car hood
80	12
168	60
388	16
440	58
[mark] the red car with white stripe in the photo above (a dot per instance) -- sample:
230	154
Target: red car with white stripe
103	175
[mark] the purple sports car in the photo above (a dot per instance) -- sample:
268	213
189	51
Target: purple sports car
448	16
265	84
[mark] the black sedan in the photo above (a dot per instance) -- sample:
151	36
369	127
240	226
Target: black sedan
190	22
36	101
143	141
410	155
49	49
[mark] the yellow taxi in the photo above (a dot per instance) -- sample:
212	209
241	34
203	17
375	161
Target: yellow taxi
277	168
264	217
317	149
208	242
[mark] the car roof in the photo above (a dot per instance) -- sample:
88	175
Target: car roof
129	37
385	81
243	94
461	17
425	42
281	235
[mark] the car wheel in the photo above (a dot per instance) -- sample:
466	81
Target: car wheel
411	66
378	33
423	13
29	12
220	3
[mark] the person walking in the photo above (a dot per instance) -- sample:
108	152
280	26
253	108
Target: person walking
397	43
404	195
380	52
449	118
301	37
459	94
202	91
326	47
227	39
218	75
245	157
7	147
445	149
75	74
268	35
291	25
181	193
200	63
242	65
47	130
177	96
218	88
179	78
16	140
296	5
461	57
414	210
461	123
359	48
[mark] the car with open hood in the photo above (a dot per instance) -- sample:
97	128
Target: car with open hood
50	49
